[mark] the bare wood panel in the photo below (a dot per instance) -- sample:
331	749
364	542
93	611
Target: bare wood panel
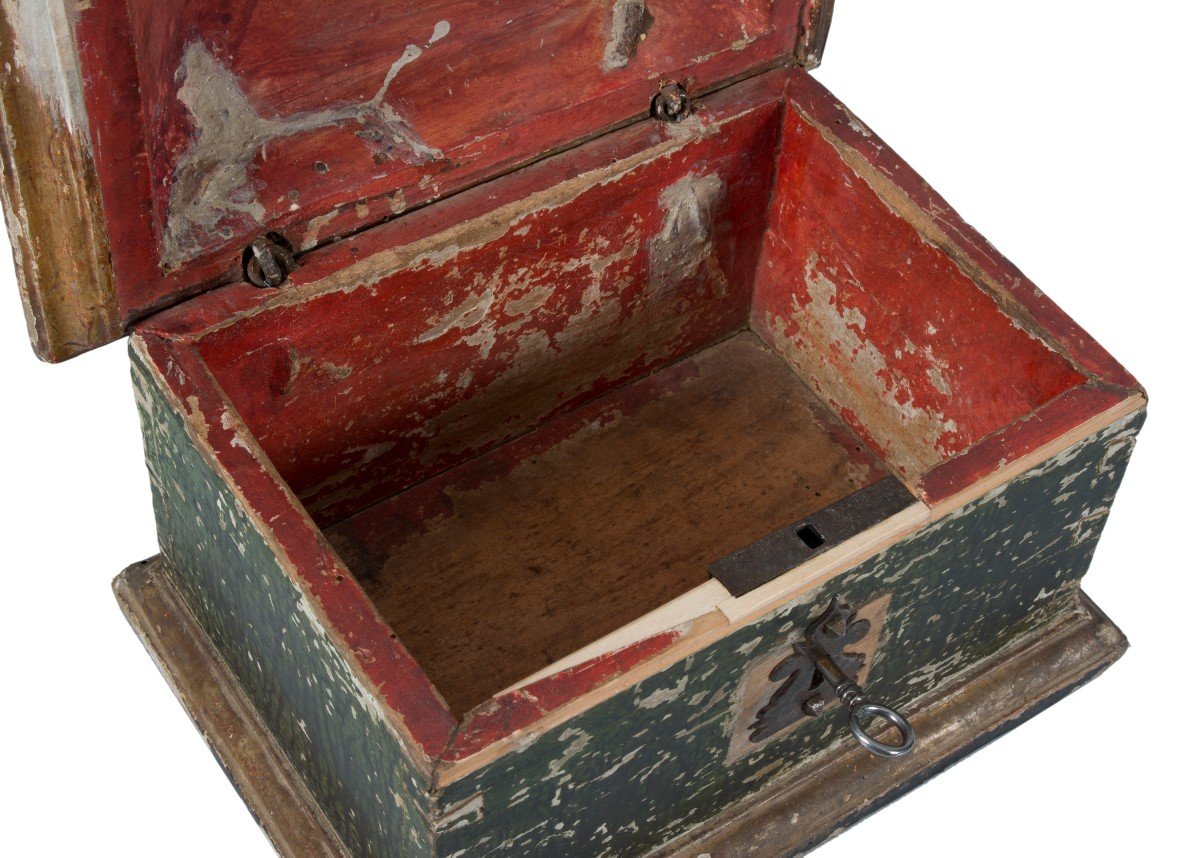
503	565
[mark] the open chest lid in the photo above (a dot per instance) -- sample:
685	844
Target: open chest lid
148	143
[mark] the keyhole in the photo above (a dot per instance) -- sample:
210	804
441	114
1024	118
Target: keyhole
810	536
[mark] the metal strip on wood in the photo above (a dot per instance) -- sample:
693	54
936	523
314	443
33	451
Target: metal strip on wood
765	560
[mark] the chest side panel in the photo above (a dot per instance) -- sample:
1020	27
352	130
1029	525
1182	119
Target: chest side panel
648	764
332	730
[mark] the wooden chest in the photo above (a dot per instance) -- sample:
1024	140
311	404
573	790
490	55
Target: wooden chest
572	430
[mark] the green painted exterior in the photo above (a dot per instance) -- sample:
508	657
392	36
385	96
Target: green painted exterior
646	765
331	728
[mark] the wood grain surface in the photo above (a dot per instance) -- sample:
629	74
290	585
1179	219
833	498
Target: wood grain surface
157	139
503	565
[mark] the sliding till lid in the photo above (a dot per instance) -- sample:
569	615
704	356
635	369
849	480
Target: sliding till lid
148	142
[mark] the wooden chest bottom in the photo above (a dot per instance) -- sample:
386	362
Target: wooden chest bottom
790	815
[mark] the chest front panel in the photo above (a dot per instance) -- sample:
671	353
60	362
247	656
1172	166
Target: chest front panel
650	763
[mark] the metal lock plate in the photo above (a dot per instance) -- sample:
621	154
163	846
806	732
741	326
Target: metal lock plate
777	553
757	688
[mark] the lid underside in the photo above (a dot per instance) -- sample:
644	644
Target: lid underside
148	142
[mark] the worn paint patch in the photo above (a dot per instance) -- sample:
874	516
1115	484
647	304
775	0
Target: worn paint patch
917	377
49	187
467	813
684	245
466	336
631	21
44	50
899	186
854	374
1020	439
508	713
961	591
212	191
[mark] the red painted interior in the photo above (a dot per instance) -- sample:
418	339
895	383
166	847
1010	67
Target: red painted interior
1020	297
461	349
884	325
450	331
339	118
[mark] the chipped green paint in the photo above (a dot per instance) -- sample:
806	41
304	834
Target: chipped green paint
648	764
262	625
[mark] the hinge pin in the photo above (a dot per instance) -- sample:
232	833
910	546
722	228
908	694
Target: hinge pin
268	261
671	104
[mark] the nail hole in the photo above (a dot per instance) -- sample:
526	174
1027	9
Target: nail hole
810	536
321	167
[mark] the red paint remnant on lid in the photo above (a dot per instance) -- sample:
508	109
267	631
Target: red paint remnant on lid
377	120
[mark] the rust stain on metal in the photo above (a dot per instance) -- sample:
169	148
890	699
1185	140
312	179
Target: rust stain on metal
212	182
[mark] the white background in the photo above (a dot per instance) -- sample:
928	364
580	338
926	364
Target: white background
1065	131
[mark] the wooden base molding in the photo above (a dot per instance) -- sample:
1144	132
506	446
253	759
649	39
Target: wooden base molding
790	816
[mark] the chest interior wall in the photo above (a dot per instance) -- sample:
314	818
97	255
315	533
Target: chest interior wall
529	415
